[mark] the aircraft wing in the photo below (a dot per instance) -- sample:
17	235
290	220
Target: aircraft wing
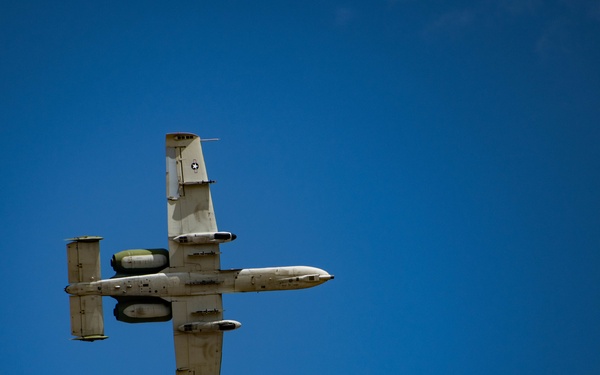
197	353
190	208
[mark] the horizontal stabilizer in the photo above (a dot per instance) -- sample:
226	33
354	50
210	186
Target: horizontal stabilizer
87	318
83	257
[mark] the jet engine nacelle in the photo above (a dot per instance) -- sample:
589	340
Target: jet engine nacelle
140	261
143	310
218	325
203	238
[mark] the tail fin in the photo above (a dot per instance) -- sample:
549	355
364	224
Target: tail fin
87	318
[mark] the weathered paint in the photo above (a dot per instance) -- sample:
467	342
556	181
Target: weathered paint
167	284
184	283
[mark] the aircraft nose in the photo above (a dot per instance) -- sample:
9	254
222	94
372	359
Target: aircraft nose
326	277
233	236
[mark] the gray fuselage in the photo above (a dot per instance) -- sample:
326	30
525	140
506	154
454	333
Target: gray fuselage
172	284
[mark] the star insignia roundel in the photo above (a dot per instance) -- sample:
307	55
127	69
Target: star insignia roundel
195	166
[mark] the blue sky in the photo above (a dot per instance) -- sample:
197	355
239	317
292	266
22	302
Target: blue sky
440	158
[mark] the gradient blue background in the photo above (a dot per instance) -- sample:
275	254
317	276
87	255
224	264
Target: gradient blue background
440	158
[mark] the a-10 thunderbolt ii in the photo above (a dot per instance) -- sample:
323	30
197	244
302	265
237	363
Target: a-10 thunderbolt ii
186	282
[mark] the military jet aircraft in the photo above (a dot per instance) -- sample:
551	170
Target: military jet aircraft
186	282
